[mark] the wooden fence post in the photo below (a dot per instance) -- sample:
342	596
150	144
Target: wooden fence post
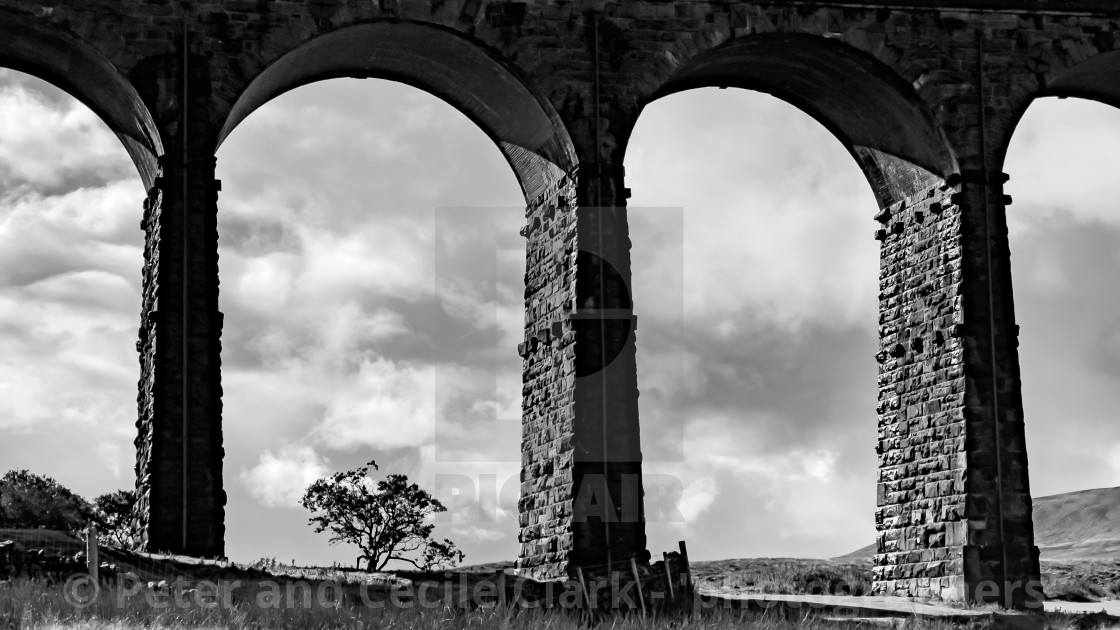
502	588
669	577
583	589
638	580
687	568
92	562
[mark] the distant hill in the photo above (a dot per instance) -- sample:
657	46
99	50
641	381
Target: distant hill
489	567
859	555
1082	525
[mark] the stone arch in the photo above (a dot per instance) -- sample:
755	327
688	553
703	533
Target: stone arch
444	63
877	116
1062	69
1096	78
57	57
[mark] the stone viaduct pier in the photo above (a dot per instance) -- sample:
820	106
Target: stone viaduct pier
925	94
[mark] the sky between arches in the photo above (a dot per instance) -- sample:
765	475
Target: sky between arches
346	334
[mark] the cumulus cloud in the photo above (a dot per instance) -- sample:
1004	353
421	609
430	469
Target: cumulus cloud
53	145
697	497
116	460
477	533
480	491
67	341
280	480
768	228
1055	160
388	406
70	260
733	445
1068	362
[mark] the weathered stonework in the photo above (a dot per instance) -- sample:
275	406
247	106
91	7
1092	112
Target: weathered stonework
548	393
146	347
571	504
922	448
925	95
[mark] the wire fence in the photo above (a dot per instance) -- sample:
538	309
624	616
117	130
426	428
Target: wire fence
58	557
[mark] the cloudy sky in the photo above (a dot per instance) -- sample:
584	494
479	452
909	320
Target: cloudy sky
372	285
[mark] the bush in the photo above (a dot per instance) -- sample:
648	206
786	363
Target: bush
29	501
826	581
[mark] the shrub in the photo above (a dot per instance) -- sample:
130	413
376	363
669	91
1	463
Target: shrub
29	501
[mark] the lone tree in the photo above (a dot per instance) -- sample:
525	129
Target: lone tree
387	521
29	501
113	512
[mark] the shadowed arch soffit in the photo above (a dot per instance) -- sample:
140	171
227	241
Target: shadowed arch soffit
872	111
45	52
440	62
1096	78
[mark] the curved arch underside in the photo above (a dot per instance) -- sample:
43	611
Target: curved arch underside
39	50
1097	78
437	61
879	118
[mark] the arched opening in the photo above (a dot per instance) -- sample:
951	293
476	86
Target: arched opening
769	375
1064	232
71	253
1062	236
34	48
372	285
472	79
875	114
756	280
416	225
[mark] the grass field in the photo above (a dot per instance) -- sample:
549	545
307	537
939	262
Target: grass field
25	604
1081	581
268	594
783	575
308	598
1068	580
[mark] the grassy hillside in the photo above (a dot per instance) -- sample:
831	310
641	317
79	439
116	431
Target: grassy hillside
1082	525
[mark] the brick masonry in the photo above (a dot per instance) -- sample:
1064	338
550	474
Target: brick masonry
925	94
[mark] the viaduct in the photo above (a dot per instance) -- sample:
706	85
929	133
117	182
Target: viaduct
924	94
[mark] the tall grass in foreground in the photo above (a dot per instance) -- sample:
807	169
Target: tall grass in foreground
26	604
1079	588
